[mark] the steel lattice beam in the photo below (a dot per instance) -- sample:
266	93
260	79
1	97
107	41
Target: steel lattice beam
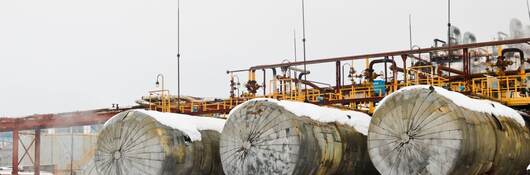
42	121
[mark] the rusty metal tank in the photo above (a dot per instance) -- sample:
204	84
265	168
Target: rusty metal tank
267	136
149	142
430	130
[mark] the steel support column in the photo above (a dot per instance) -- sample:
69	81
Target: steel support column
264	82
465	61
14	160
386	70
404	57
36	164
467	68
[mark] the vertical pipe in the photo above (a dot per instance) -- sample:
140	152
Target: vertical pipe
395	75
342	75
274	82
410	31
295	53
281	86
466	66
337	74
405	71
410	37
72	151
386	71
304	48
36	165
264	82
178	56
449	33
14	160
528	8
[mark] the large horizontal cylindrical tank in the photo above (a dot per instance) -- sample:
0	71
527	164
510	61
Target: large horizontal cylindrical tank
266	136
430	130
150	142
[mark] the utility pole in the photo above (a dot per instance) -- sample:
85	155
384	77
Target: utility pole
304	48
178	56
449	33
528	8
410	31
410	38
294	40
295	54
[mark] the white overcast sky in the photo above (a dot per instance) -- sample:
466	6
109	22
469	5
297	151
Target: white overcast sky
67	55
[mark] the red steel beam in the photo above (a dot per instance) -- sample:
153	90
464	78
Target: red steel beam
69	119
41	121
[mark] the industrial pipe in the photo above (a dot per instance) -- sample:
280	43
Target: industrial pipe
370	69
513	50
302	74
436	41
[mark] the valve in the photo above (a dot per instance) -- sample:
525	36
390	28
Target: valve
252	86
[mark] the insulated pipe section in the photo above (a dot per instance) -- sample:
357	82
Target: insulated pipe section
436	41
263	137
302	75
434	131
134	142
513	50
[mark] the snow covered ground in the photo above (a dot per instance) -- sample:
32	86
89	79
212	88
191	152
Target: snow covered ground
7	171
